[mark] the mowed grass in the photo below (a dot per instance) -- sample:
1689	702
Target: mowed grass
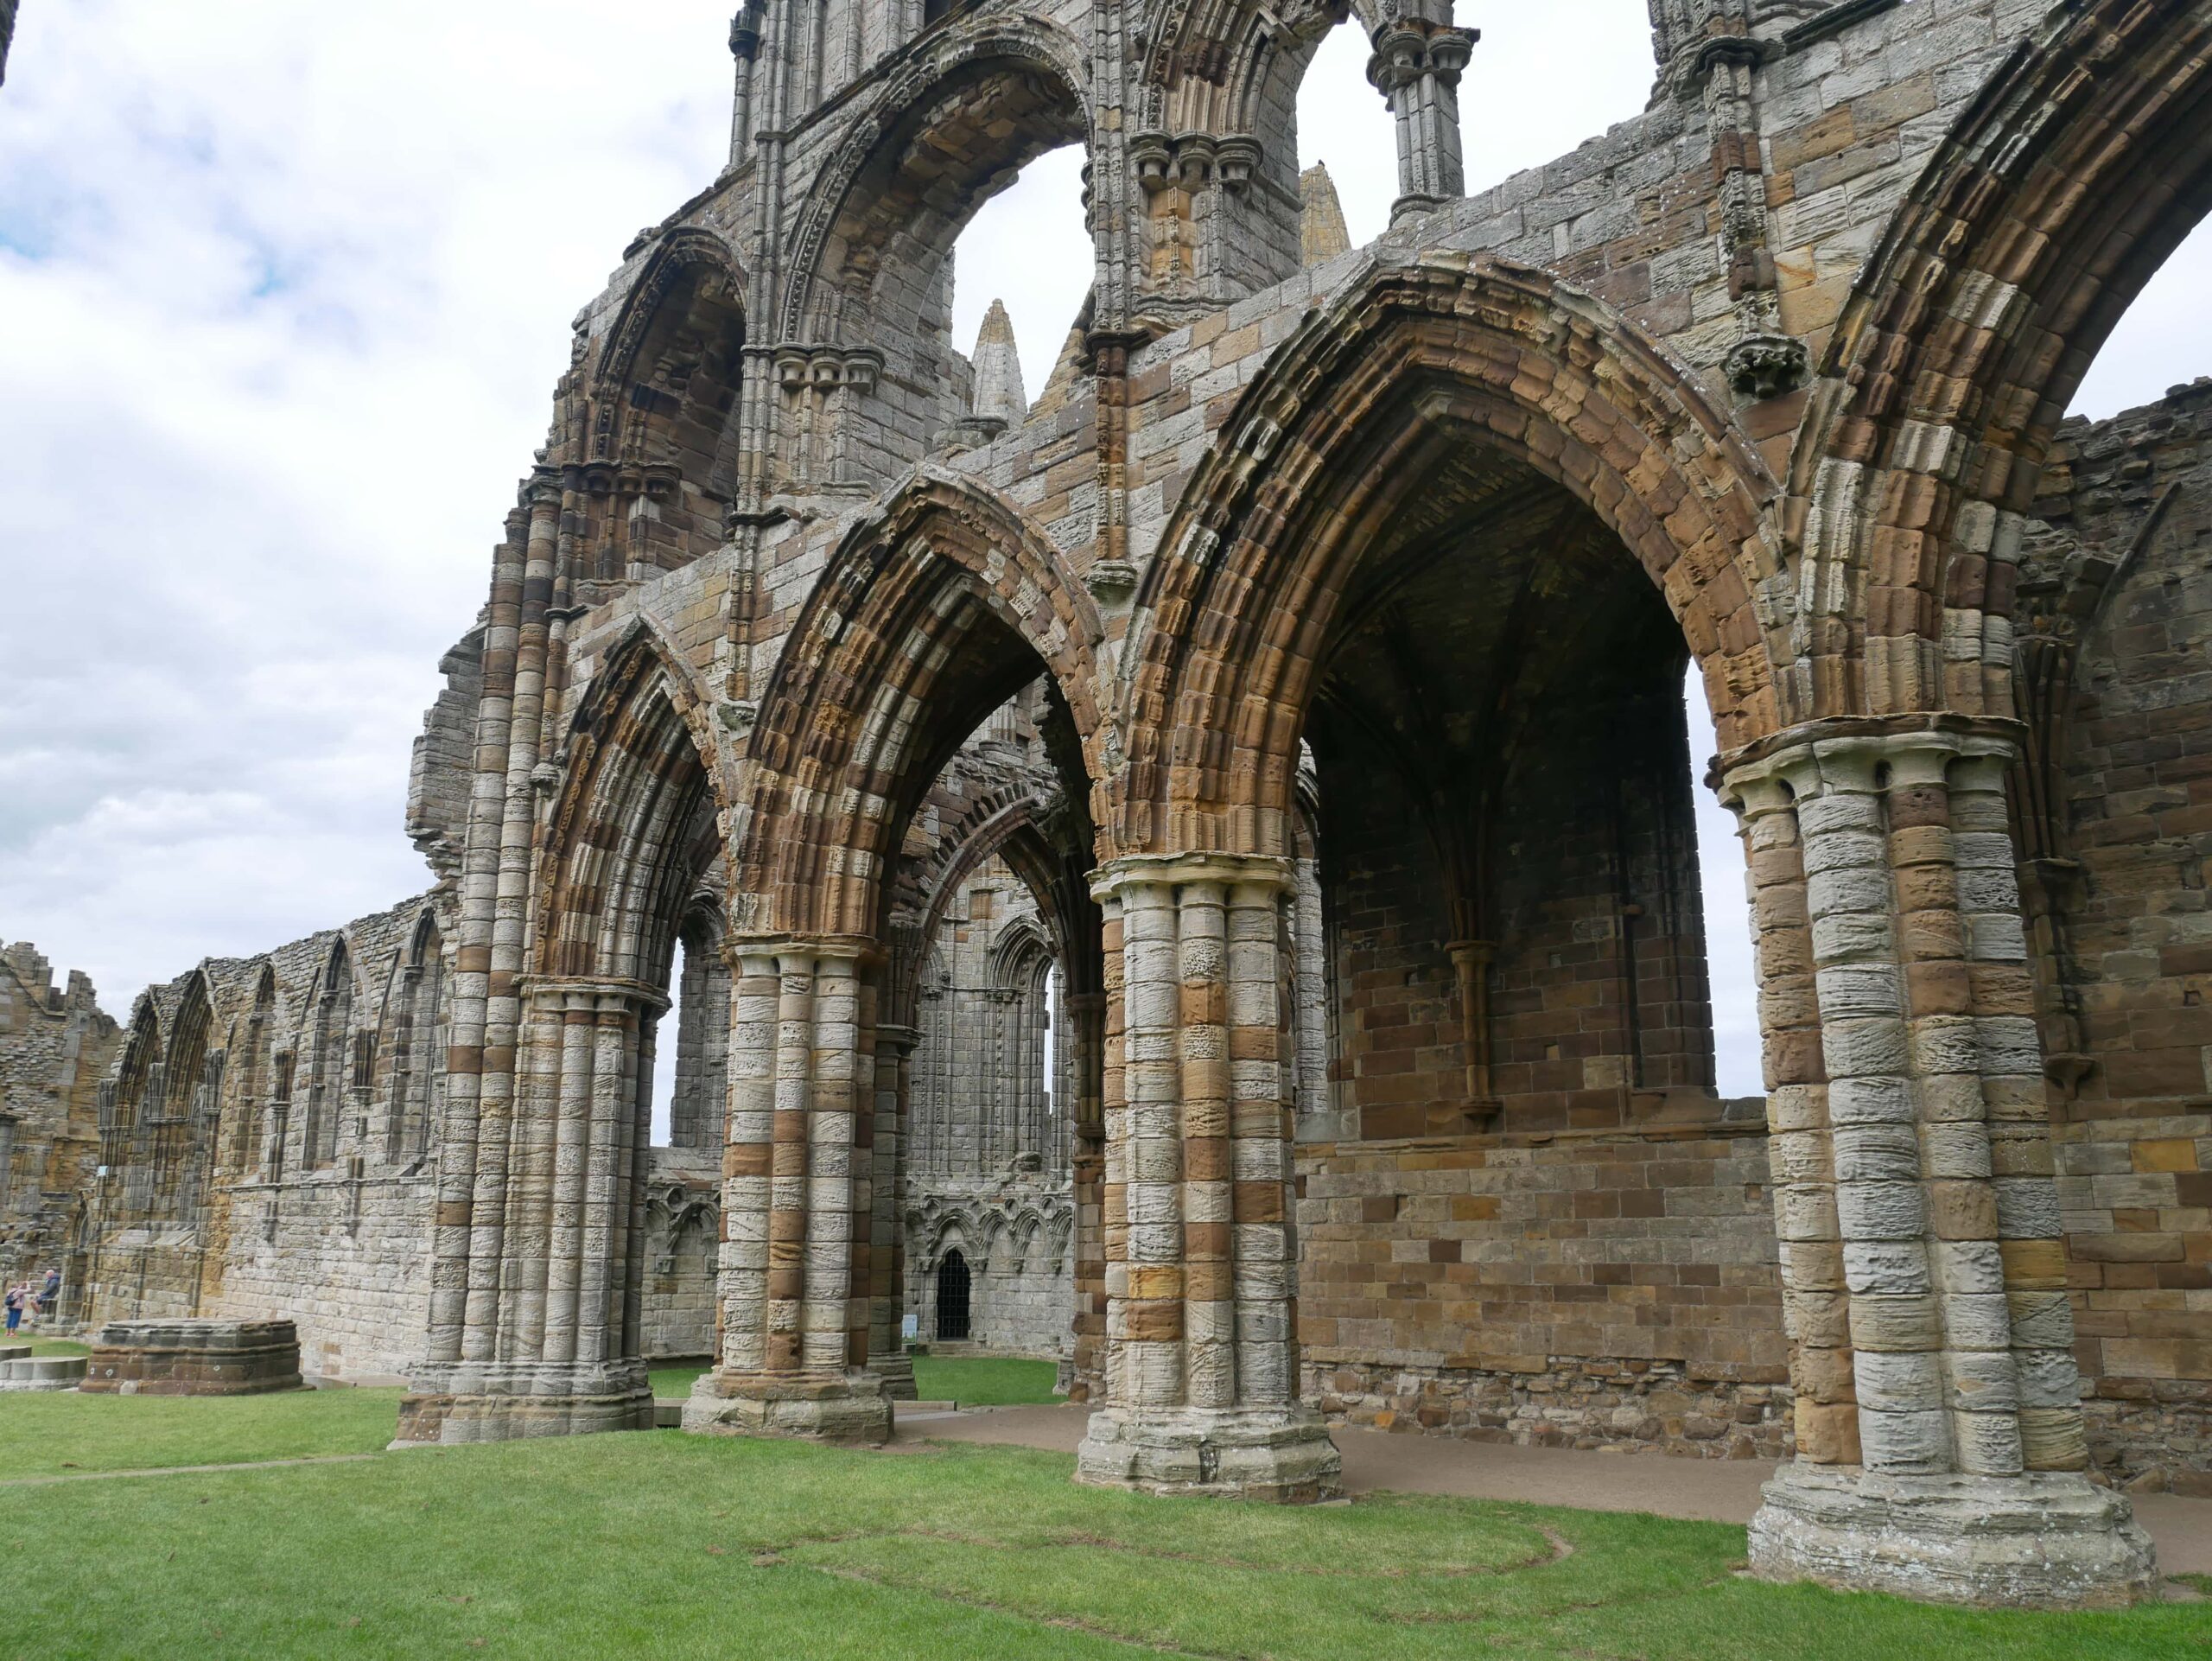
47	1345
984	1380
972	1381
662	1545
56	1433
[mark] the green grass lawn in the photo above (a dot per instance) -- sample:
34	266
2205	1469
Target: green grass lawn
972	1381
983	1381
47	1345
662	1545
54	1433
674	1381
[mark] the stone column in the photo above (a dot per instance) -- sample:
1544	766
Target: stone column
797	1173
886	1344
1416	66
562	1362
1939	1444
1088	1016
1199	1365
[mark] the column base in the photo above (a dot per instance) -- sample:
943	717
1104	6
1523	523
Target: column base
1414	205
528	1403
1282	1454
850	1406
2046	1540
896	1368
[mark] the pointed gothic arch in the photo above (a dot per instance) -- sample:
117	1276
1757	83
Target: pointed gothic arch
932	612
2084	163
1441	355
636	821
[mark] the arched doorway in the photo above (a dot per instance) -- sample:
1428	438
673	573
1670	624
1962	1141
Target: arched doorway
952	1286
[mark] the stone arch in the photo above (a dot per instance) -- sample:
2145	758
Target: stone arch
1208	59
951	1233
417	1007
135	1069
324	1041
190	1050
2084	164
933	611
661	412
865	367
254	1079
635	823
1410	361
880	180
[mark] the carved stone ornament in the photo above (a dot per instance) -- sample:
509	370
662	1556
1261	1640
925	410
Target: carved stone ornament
1767	365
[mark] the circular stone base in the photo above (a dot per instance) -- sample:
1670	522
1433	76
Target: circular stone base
1281	1454
2046	1540
437	1420
840	1407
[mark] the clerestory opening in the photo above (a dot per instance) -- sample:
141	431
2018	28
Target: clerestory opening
872	380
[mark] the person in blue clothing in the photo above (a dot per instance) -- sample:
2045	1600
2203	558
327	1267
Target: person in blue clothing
15	1308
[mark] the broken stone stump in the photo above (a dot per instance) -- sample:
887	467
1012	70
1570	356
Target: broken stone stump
194	1358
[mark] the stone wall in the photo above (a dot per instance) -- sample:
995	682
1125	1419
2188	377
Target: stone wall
2121	585
55	1046
1541	1285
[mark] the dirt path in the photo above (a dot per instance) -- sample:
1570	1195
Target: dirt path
1713	1491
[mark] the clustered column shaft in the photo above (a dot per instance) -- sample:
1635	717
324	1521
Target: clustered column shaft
798	1201
1939	1424
1416	66
1199	1365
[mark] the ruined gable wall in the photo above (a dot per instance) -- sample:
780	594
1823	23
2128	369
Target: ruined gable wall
55	1045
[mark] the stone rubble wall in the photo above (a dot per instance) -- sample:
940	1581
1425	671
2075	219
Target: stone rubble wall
1623	1405
55	1045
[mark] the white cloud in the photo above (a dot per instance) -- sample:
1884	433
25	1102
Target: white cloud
286	291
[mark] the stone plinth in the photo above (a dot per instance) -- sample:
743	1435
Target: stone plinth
1281	1454
438	1419
2046	1540
844	1407
507	1401
20	1370
194	1358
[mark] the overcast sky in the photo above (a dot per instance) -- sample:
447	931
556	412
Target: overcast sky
283	291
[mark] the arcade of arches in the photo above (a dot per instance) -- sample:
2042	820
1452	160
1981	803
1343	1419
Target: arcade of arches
1196	876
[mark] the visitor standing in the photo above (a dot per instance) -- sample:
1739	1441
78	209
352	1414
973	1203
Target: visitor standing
15	1308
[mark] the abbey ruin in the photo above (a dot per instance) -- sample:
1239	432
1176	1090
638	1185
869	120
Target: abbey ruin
1195	877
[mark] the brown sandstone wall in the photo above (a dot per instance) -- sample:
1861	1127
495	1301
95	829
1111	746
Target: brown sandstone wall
1590	1288
2134	1136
